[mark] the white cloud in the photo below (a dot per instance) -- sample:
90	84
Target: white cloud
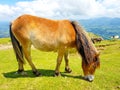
61	9
112	8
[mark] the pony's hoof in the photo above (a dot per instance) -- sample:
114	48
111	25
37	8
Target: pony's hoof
37	73
68	70
57	74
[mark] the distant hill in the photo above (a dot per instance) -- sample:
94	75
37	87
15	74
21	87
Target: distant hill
4	29
105	27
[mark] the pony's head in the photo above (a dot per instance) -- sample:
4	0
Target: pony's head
85	47
90	67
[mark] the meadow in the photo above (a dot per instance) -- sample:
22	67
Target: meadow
106	78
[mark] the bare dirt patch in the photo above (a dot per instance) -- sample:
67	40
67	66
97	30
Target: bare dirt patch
5	46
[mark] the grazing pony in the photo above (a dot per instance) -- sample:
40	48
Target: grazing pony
94	40
52	35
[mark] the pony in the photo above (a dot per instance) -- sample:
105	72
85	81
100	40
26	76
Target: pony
52	35
94	40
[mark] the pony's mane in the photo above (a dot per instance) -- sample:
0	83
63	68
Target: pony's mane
84	44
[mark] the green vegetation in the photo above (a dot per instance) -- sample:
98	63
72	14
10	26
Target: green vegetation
5	40
106	78
92	35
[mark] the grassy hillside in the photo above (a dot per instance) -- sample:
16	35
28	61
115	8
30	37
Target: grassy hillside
106	78
92	35
5	40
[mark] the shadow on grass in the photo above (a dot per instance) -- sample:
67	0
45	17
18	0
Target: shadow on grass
45	73
64	74
14	74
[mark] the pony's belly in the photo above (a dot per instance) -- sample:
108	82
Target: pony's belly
45	46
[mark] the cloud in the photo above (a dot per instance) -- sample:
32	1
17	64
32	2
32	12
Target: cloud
112	8
62	9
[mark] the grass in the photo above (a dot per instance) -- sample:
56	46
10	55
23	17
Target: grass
5	40
106	78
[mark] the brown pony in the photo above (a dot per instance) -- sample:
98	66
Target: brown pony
52	35
94	40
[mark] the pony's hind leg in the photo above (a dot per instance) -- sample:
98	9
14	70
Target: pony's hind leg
21	69
27	53
67	68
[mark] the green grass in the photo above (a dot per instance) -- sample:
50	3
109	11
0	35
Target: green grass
106	78
5	40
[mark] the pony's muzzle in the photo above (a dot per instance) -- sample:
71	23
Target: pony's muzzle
89	78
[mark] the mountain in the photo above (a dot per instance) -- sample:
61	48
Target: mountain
105	27
4	29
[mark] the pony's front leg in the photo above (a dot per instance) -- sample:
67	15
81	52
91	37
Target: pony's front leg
59	60
67	68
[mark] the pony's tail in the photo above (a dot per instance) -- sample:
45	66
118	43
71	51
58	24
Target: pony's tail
84	44
16	46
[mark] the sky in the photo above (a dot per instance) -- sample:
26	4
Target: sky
60	9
